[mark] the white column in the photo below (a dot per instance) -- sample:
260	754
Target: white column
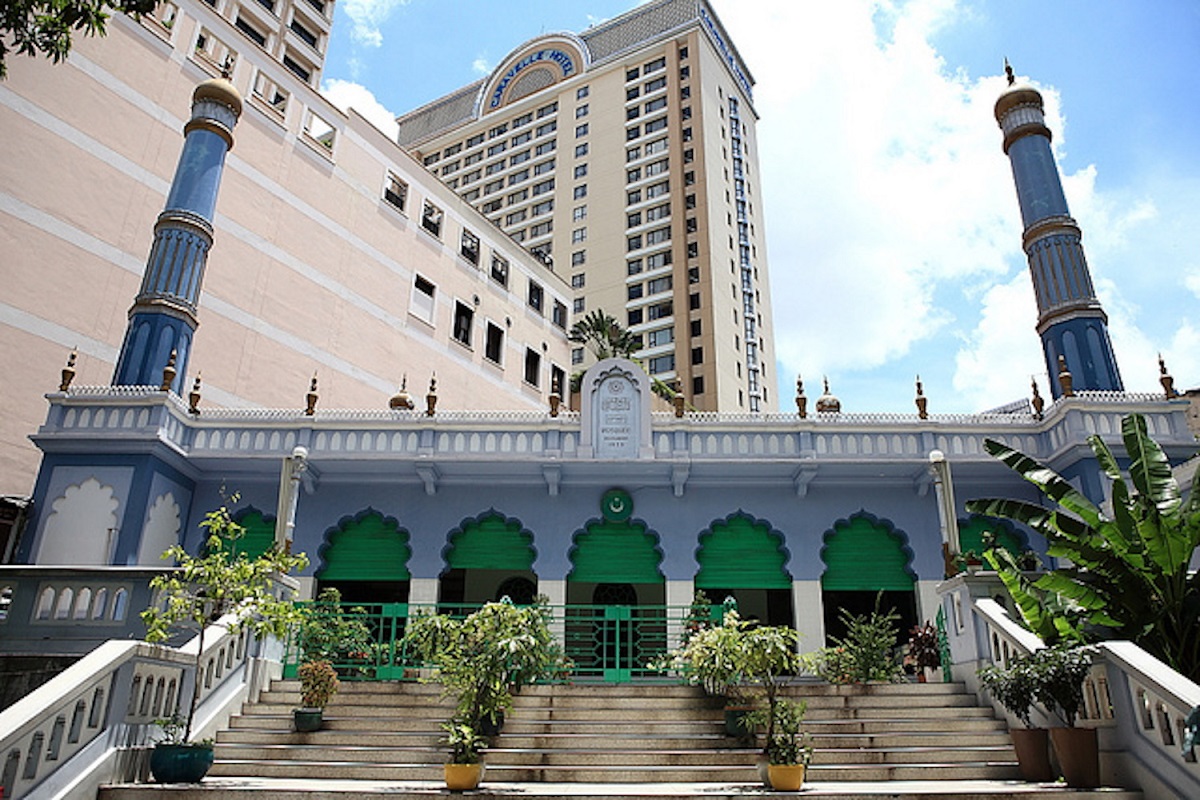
809	613
679	596
556	594
423	591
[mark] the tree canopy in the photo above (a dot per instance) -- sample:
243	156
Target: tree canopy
30	27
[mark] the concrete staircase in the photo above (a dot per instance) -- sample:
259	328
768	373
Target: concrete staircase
903	740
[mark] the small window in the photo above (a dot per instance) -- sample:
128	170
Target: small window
464	316
319	130
301	71
536	296
655	125
522	138
395	192
635	317
683	53
548	146
470	247
657	260
579	305
559	314
632	197
475	140
421	305
499	270
306	36
580	191
658	285
576	356
581	92
542	228
633	243
558	379
632	93
693	250
634	267
695	327
581	130
655	104
697	355
691	225
693	301
698	385
581	111
543	187
660	310
547	110
655	65
522	120
499	130
660	337
266	89
579	279
533	367
581	170
693	275
632	74
251	32
578	235
662	364
547	128
431	219
634	291
581	150
544	207
579	212
633	220
493	349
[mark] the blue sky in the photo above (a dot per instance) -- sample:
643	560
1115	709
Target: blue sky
892	224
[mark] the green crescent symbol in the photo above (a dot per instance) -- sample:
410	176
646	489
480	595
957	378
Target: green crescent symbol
616	505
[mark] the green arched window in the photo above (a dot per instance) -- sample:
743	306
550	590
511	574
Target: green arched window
367	547
742	552
490	541
972	530
608	551
864	553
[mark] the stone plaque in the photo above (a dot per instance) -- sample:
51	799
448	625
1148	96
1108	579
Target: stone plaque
617	421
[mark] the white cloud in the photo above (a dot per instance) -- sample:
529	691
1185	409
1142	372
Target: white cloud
1001	356
346	95
368	16
1192	282
480	66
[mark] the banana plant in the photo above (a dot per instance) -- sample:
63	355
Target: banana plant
1125	575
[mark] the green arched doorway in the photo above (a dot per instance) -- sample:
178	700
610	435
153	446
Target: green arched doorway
488	557
866	558
973	529
616	594
258	534
743	557
365	557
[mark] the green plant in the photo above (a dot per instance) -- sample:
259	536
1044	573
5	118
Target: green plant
922	649
867	652
174	731
332	633
220	588
481	659
1014	687
1060	671
318	683
45	26
784	743
604	335
466	746
1128	575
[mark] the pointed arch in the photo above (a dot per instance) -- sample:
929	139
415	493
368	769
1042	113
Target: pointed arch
615	551
744	552
865	553
258	535
365	547
490	541
972	529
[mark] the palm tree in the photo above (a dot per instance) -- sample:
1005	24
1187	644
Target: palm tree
605	336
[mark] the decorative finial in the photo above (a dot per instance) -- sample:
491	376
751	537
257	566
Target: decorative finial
431	398
680	404
311	398
227	68
801	400
400	401
1065	379
194	397
828	403
1037	401
1164	377
555	396
1008	70
922	401
168	374
68	373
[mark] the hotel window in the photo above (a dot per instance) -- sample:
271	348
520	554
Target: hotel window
580	191
547	110
657	189
431	219
696	327
472	195
581	170
493	186
655	85
581	92
687	134
635	317
494	167
250	31
518	196
633	112
657	167
685	73
633	243
691	225
544	167
693	301
633	220
657	146
578	305
471	177
395	192
662	364
544	207
545	147
579	279
299	70
581	150
493	347
633	133
497	149
632	73
464	316
473	158
659	310
582	111
632	93
490	206
576	356
265	89
633	291
306	36
421	303
633	267
689	156
452	150
522	138
515	217
518	176
633	154
579	212
685	93
450	167
475	140
657	260
470	247
320	131
499	130
499	270
578	235
634	196
658	212
659	337
655	65
519	158
581	130
536	296
634	174
558	315
656	125
689	201
433	159
686	113
543	187
546	128
524	119
689	178
533	367
683	53
558	379
542	228
658	285
693	250
698	385
693	275
655	104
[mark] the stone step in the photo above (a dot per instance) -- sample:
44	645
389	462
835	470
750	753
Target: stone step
389	700
932	770
284	736
681	715
379	724
321	754
611	727
335	709
972	725
617	757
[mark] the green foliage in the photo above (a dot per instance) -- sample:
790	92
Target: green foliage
332	633
604	335
30	27
318	683
466	746
481	659
1128	575
866	653
1052	676
174	731
220	588
1015	688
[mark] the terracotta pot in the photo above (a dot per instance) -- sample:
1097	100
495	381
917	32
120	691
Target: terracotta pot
1033	754
460	777
786	777
1078	753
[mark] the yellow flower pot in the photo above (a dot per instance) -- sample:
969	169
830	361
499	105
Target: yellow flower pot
460	777
786	777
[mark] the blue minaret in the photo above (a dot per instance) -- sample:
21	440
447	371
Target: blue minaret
1070	320
163	317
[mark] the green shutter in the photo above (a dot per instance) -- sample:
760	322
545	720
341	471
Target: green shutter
259	536
366	548
615	552
742	553
490	542
970	535
866	554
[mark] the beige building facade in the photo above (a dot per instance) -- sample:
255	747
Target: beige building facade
336	253
626	156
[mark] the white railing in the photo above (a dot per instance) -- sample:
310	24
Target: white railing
63	738
1138	702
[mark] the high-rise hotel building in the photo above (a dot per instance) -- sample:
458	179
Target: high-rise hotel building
626	156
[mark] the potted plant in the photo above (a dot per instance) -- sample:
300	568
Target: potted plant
217	587
922	651
1015	688
176	760
788	751
867	653
318	683
482	659
1060	672
336	634
465	768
